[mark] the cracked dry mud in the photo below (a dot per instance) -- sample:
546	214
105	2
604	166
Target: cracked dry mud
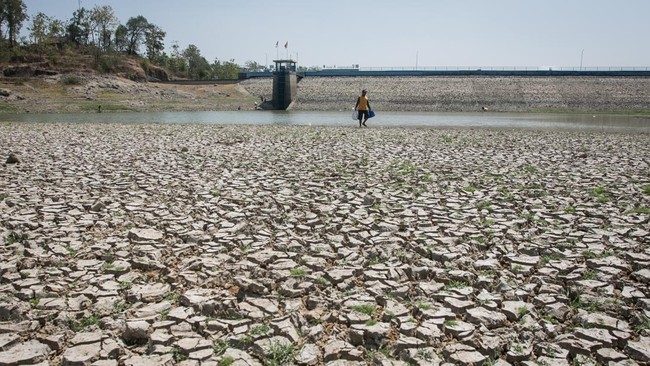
151	244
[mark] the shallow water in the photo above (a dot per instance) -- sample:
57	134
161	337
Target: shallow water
383	119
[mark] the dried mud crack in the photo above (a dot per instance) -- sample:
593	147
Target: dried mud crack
147	244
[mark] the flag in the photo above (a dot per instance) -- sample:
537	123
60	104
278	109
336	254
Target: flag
286	45
276	44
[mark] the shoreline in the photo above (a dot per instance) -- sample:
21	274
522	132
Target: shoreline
164	243
85	92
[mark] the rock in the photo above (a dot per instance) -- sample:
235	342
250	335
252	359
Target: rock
461	354
596	320
26	71
136	331
607	355
601	336
86	338
404	343
148	293
12	159
341	350
81	354
154	360
516	309
265	347
371	336
155	73
642	275
458	328
145	235
239	357
8	340
28	353
491	319
308	354
98	206
639	350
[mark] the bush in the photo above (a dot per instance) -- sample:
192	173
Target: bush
109	63
72	80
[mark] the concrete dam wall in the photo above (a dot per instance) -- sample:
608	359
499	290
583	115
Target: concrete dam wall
469	93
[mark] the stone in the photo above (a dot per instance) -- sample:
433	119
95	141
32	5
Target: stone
458	328
341	350
308	354
464	355
136	331
514	310
154	360
28	353
639	350
7	340
601	336
597	320
607	355
148	293
12	159
239	357
482	316
642	275
86	338
81	354
145	235
371	336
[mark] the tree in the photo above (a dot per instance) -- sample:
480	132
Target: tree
3	16
45	30
103	22
154	37
176	62
136	29
79	29
252	66
120	38
38	30
13	13
198	67
227	71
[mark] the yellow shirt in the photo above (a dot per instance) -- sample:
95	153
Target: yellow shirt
363	103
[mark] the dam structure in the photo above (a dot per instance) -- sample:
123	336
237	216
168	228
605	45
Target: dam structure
285	84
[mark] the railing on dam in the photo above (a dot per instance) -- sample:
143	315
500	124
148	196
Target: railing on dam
642	71
503	68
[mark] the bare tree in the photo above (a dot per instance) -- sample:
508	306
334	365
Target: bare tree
45	29
103	23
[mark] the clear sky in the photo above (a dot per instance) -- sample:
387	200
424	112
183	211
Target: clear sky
393	33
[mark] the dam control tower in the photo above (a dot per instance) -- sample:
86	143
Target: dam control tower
285	84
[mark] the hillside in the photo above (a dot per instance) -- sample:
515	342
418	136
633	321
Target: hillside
71	82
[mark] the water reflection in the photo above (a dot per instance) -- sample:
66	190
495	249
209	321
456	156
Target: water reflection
343	118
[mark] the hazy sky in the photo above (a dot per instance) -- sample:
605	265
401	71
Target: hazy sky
392	33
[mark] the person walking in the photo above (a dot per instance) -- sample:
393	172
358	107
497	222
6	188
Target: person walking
363	107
